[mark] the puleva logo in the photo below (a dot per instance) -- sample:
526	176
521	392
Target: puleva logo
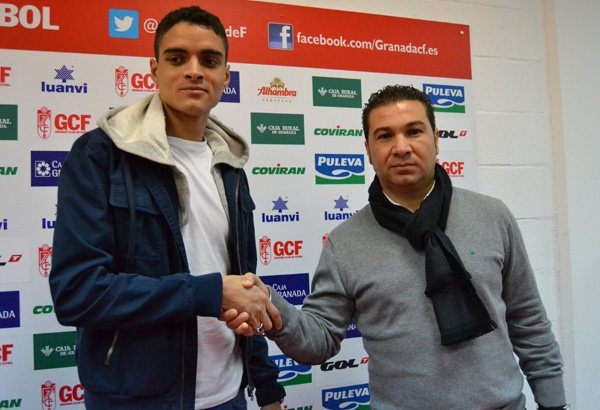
278	170
46	167
355	397
340	204
292	288
54	350
276	91
336	92
231	94
292	373
10	310
340	169
446	98
277	128
9	122
281	36
63	74
339	132
280	205
123	23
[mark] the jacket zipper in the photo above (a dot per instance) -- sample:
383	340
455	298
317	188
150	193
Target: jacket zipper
111	349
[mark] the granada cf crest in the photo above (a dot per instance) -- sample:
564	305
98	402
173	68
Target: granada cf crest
264	252
45	258
49	395
44	123
121	81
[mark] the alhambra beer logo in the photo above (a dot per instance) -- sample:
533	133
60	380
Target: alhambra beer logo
49	395
45	259
44	122
121	81
265	250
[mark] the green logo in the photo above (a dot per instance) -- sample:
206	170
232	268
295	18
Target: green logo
336	92
277	128
8	122
54	350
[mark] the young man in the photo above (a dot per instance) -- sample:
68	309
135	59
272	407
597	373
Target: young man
154	230
436	278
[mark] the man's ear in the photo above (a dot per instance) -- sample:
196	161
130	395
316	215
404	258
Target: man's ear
153	70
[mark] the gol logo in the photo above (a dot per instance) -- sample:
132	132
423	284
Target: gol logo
63	123
342	364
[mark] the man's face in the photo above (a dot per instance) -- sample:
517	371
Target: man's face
191	71
402	148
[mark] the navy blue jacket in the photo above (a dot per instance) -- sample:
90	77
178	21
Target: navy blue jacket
120	275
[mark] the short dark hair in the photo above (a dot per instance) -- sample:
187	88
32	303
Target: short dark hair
392	94
193	15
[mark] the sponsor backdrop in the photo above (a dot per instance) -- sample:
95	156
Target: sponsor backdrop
299	79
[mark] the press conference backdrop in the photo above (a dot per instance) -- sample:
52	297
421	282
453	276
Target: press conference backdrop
299	79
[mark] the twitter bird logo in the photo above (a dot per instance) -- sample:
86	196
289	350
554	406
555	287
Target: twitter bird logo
123	23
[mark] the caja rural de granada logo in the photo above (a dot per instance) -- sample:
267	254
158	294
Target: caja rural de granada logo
46	167
139	82
231	93
276	91
446	98
9	115
10	310
336	92
339	169
269	128
281	250
54	350
292	287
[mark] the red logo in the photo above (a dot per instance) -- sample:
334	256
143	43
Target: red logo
5	351
49	395
454	169
45	258
325	238
71	395
4	74
288	249
143	83
265	250
44	123
121	81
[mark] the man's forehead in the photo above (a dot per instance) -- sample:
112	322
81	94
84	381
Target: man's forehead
414	108
181	35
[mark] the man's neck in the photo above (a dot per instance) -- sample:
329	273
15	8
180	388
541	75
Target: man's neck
410	201
185	127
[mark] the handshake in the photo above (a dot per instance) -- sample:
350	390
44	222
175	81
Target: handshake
246	306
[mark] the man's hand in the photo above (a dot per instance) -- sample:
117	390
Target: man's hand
247	306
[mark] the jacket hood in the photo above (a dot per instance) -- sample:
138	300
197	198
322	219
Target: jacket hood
140	129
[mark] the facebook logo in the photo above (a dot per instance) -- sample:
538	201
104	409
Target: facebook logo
123	23
281	36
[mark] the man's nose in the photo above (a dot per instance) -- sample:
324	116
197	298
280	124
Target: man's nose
401	145
194	69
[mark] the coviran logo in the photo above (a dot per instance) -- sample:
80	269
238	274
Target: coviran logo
280	205
278	170
64	74
340	205
8	170
292	373
10	404
339	169
339	132
446	98
356	397
276	92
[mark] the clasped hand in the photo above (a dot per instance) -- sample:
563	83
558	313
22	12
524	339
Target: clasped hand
246	305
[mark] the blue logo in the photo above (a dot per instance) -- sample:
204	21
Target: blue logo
446	98
352	331
10	315
281	36
340	215
347	398
290	372
46	167
340	169
292	288
123	23
280	205
232	93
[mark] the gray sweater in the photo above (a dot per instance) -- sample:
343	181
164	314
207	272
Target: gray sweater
370	274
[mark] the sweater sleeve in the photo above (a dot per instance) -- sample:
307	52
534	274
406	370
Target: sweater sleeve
528	326
314	334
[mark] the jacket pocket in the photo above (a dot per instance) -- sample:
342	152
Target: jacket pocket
142	363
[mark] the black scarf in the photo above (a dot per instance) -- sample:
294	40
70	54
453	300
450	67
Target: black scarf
459	312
